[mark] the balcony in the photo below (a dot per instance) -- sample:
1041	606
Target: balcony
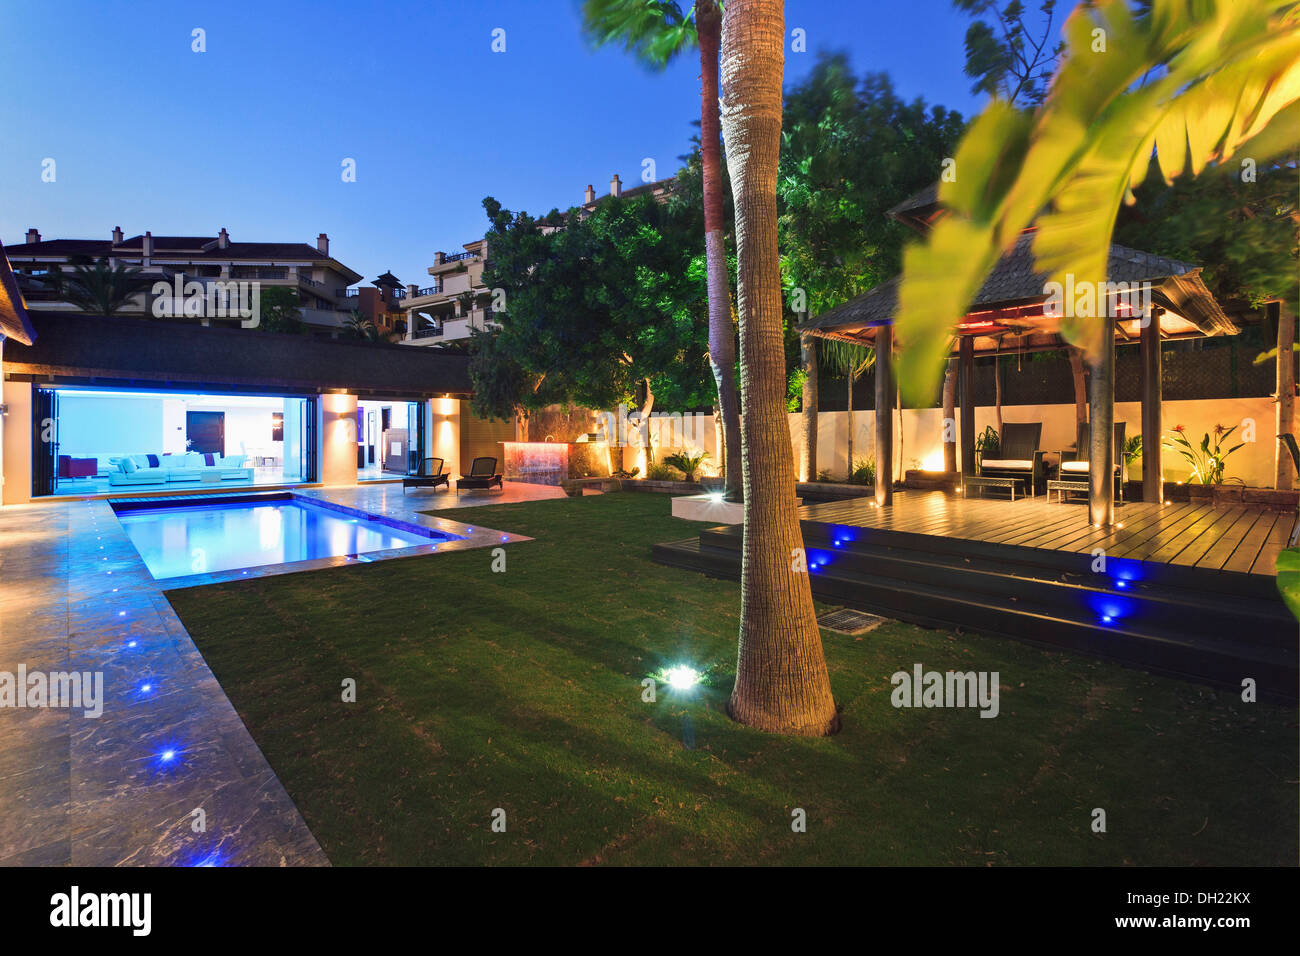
432	332
258	272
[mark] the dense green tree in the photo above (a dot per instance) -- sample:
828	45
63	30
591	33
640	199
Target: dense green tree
656	31
280	310
850	151
604	310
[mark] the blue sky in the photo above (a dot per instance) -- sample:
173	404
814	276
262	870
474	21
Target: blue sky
251	134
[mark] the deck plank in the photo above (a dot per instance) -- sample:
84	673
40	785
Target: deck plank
1242	539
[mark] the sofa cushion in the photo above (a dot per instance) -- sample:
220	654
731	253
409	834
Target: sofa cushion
128	465
1008	464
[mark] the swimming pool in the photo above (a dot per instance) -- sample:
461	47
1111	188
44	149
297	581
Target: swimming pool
236	534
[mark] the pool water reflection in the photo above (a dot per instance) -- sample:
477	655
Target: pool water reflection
199	539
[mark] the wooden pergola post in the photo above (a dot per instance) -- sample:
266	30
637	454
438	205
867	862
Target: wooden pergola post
1153	476
966	375
1101	413
884	415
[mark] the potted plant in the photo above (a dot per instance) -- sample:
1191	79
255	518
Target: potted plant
1132	452
986	446
1208	460
688	463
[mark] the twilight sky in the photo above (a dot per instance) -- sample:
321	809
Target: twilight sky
251	135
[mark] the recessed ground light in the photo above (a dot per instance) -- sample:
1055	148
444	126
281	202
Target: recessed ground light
682	677
145	688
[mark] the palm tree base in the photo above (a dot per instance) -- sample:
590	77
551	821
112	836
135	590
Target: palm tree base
803	725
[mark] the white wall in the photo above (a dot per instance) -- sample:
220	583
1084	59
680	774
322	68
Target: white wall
17	442
91	426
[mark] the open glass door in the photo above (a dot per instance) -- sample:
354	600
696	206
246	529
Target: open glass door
45	441
309	440
415	442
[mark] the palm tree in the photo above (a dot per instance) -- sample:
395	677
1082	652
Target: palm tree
656	31
97	287
851	361
361	326
781	679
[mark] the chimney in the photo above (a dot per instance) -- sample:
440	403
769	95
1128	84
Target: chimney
589	196
323	244
616	186
223	239
146	250
118	237
33	235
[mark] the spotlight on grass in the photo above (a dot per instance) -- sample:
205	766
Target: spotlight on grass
681	677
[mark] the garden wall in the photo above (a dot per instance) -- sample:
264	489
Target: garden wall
921	438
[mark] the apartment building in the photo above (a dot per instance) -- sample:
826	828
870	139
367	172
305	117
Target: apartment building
320	280
457	301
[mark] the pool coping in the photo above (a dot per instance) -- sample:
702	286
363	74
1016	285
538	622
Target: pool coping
465	537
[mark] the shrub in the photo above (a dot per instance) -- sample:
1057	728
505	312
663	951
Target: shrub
864	473
662	471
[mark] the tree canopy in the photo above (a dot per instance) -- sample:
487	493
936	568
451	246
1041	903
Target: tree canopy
851	150
596	309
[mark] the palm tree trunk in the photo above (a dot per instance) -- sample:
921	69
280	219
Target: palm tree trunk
1285	393
781	680
722	336
949	434
808	467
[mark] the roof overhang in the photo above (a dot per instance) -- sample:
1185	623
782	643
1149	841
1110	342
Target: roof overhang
14	322
72	347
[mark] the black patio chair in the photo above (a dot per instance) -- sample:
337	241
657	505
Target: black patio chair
1018	455
1074	465
482	474
429	476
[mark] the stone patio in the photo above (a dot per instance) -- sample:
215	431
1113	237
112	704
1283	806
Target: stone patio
75	595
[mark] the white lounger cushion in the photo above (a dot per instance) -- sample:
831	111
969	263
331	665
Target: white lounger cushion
1022	464
1078	467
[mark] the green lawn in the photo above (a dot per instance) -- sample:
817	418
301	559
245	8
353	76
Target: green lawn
521	690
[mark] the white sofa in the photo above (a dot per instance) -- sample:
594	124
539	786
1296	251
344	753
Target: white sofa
191	466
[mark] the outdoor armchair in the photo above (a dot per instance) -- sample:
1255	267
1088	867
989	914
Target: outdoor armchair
430	475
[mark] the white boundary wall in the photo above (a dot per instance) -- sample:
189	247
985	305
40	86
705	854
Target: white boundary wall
922	434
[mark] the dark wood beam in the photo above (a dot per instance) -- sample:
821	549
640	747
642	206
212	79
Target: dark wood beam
1153	477
1101	415
966	373
884	415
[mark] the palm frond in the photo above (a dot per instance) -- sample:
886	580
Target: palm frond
1227	78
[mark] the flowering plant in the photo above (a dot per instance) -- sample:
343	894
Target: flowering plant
1208	459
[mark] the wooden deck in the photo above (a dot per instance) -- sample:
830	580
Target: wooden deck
1184	589
1240	539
